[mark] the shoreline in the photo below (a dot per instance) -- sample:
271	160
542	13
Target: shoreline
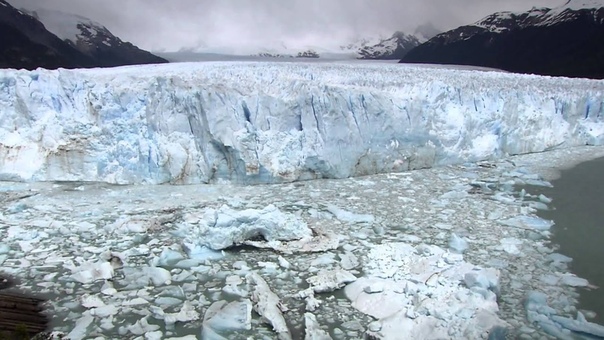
564	159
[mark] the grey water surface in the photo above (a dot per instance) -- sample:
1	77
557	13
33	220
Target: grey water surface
578	213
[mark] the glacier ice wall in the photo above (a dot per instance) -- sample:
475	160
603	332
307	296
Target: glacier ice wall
275	122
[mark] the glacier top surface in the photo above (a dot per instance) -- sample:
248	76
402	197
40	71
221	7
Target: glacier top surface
247	75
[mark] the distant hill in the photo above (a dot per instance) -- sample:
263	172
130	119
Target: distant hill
394	47
562	41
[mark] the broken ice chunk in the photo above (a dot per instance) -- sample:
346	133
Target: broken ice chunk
484	278
142	326
458	244
135	302
139	277
573	281
377	304
559	258
347	216
323	260
374	287
283	263
187	313
539	183
268	305
330	280
173	291
226	227
313	330
510	245
166	301
202	253
186	337
456	194
528	222
348	260
104	311
156	335
223	316
91	301
232	286
81	329
580	325
4	248
241	265
169	257
18	233
90	272
108	289
131	225
311	302
545	199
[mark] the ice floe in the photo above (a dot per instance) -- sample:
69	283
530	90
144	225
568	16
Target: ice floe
224	316
268	305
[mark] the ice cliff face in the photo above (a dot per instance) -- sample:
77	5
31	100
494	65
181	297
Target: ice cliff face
262	122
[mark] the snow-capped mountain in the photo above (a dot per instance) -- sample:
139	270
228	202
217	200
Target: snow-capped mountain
392	47
93	39
395	47
26	43
565	40
368	46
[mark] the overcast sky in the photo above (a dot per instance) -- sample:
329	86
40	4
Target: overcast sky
174	24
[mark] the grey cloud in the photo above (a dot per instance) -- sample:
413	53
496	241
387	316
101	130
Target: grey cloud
174	24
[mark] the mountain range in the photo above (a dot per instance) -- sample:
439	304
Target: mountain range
561	41
52	39
393	47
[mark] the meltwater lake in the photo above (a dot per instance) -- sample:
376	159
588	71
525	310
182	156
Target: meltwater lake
578	212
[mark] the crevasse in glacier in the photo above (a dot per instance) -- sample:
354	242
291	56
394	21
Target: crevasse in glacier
276	122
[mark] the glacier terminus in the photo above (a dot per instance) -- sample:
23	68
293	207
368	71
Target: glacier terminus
336	239
279	122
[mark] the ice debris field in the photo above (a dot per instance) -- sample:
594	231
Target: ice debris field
453	250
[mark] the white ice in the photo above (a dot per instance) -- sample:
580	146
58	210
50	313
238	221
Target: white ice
268	305
274	122
415	291
226	227
224	316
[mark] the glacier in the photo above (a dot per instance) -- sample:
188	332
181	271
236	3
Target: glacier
250	122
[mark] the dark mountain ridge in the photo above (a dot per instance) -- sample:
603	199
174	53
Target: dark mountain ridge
26	43
563	41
